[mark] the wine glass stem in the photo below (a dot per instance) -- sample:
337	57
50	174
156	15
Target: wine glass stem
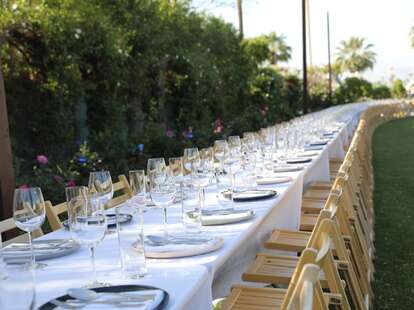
92	250
32	257
165	222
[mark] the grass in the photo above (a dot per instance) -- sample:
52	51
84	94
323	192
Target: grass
393	147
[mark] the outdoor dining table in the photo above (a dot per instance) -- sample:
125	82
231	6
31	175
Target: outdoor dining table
193	282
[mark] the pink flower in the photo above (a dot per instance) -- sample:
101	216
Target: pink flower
24	186
42	159
71	183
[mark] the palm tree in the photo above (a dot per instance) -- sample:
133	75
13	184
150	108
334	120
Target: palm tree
279	51
355	56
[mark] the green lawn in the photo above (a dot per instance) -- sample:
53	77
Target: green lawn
393	146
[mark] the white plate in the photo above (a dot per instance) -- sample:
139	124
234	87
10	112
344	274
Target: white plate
307	154
227	218
287	168
183	250
17	253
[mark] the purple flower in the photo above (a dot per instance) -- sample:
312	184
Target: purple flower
24	186
42	159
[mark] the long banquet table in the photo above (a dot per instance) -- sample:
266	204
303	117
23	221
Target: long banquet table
193	282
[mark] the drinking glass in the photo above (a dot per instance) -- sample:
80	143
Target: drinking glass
162	187
131	245
137	182
191	206
17	291
221	149
100	182
87	222
235	143
191	159
29	214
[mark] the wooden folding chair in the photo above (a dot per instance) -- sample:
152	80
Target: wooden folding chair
122	192
8	225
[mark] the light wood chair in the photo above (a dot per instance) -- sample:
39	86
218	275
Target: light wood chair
122	192
8	225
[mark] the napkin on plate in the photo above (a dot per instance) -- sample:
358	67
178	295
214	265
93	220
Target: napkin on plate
273	180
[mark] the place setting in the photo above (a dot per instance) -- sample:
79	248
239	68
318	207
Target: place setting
117	296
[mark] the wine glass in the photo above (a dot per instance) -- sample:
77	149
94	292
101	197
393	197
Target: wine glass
87	222
221	148
191	159
137	181
100	182
235	143
162	187
29	214
176	167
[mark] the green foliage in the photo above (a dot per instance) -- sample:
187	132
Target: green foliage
136	79
353	89
355	56
380	91
398	89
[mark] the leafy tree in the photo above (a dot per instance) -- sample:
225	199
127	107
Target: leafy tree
355	56
398	89
279	50
352	90
380	91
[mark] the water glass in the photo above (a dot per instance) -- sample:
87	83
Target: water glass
131	245
29	213
191	208
17	291
221	149
225	187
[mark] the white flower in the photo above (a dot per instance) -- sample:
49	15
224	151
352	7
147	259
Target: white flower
14	6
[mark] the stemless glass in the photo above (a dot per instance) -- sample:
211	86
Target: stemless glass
162	187
100	182
29	214
87	222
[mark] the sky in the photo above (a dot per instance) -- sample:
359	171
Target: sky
384	23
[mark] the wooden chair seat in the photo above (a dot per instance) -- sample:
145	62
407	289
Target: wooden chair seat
308	221
288	240
319	195
312	206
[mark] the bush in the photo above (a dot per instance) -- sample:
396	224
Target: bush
398	89
353	89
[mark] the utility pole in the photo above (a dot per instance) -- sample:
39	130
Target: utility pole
329	58
240	13
305	73
6	159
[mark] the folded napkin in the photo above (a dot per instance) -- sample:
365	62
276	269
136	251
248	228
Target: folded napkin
273	180
307	154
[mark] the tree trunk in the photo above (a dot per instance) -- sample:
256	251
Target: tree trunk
6	159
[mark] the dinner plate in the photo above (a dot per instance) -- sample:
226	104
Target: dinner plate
250	195
18	253
319	143
111	219
307	154
314	148
183	246
299	160
159	303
